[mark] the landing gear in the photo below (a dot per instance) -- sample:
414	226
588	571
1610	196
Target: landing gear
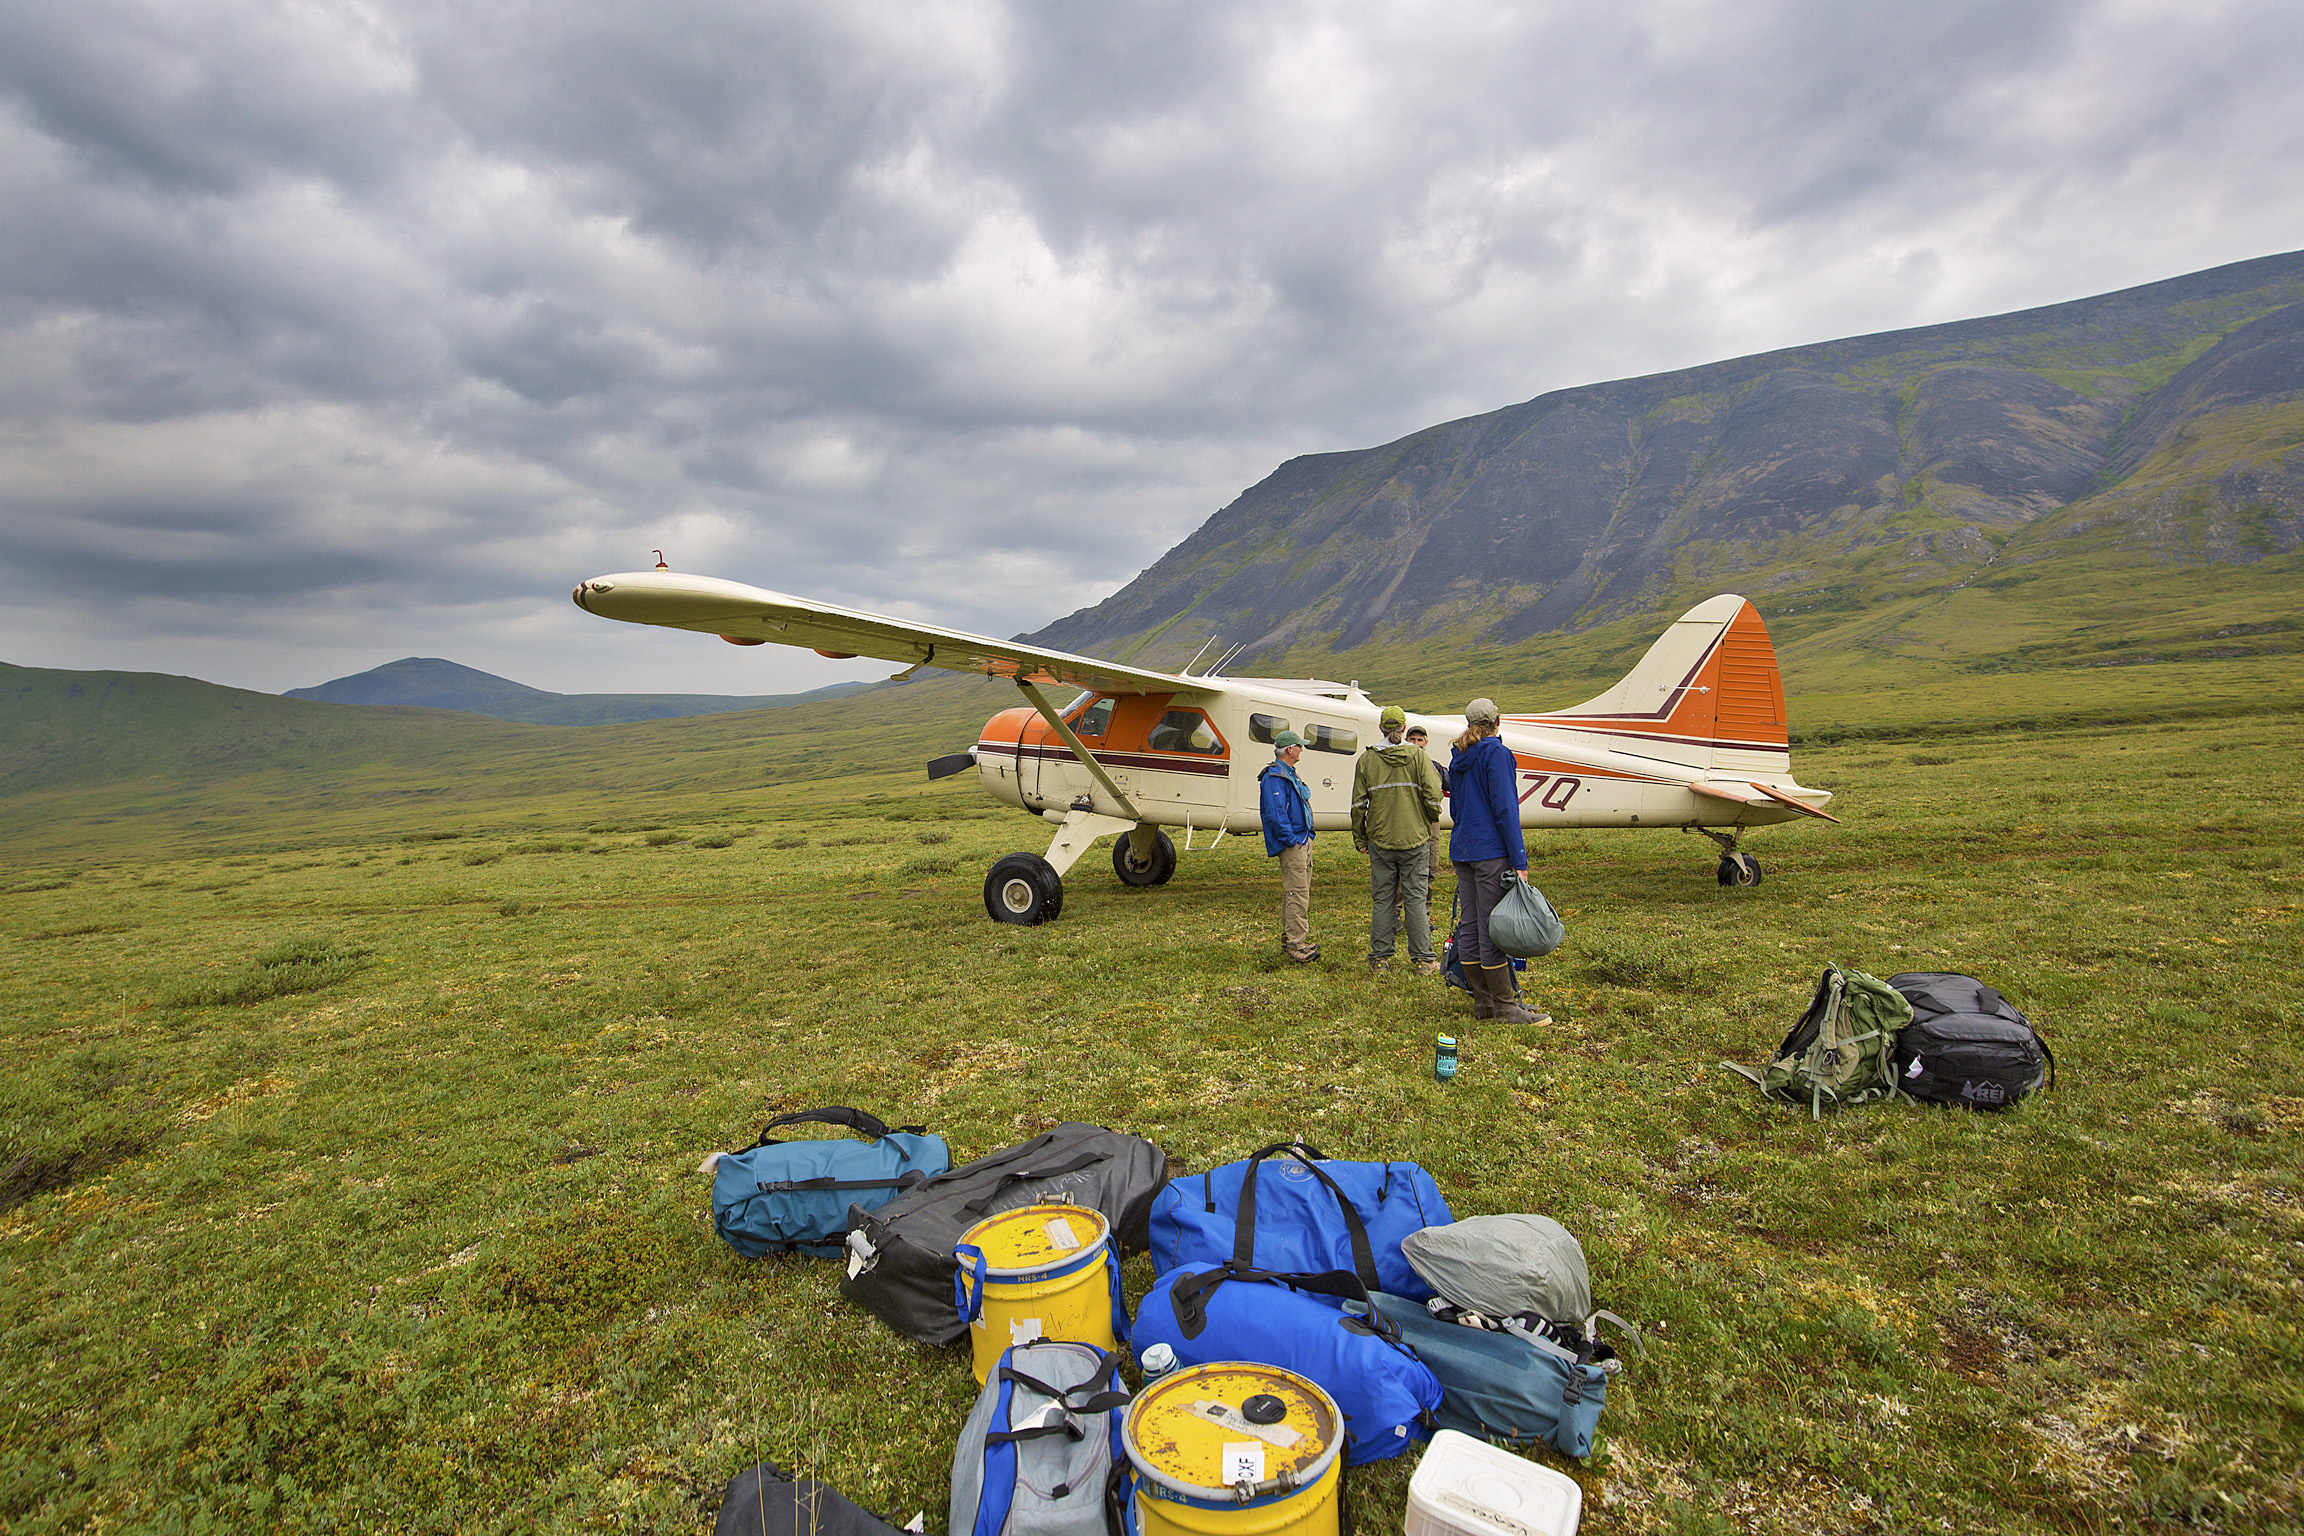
1152	867
1023	888
1735	868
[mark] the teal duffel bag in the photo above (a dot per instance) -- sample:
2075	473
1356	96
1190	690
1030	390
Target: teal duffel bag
779	1197
1516	1388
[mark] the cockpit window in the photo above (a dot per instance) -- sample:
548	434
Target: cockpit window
1184	730
1264	727
1093	720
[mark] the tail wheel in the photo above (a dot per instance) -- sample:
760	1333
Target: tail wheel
1022	888
1739	869
1154	871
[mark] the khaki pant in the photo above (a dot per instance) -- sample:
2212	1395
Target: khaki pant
1397	878
1296	902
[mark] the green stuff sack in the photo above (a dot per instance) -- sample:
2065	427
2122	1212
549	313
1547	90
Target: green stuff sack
1843	1049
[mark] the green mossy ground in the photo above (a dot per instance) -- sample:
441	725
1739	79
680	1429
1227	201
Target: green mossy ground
421	1246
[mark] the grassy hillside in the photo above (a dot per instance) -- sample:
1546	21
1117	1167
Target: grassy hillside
354	1188
93	763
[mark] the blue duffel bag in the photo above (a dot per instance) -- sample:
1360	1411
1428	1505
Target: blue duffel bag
793	1196
1516	1388
1304	1215
1212	1312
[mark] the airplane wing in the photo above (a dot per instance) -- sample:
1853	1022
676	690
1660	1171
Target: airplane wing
754	616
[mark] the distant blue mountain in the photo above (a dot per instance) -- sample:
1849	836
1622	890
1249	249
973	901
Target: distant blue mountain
430	683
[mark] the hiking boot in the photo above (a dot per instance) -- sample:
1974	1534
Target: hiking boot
1377	966
1507	1007
1476	981
1427	967
1305	958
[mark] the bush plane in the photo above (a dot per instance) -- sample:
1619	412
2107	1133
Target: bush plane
1693	737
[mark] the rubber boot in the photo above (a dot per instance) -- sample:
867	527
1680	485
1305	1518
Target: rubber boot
1507	1007
1476	981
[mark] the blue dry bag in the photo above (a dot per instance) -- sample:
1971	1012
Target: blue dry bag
1212	1312
1304	1215
793	1196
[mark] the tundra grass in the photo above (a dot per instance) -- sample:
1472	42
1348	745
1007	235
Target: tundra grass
354	1187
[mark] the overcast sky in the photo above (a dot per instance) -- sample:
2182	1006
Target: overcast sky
341	332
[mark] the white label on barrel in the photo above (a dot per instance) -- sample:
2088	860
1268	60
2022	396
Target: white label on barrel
1232	1418
1023	1330
1243	1461
1060	1234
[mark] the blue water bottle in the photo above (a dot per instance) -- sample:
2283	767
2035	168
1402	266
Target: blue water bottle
1444	1058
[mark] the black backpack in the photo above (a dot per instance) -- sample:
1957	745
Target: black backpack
1967	1044
900	1262
766	1500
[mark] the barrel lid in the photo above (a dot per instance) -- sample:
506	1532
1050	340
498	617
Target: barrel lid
1187	1430
1034	1238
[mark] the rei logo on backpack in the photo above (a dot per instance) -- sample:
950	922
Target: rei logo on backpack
1041	1453
1843	1049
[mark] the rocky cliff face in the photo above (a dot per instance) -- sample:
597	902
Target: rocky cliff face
1805	478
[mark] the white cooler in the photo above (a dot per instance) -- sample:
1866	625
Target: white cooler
1467	1487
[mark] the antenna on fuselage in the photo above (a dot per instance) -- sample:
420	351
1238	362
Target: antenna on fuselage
1186	669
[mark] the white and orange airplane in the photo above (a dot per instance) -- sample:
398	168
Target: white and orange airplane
1694	737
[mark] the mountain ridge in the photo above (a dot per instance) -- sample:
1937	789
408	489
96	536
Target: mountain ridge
430	682
1811	476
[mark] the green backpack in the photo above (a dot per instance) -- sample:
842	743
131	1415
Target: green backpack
1843	1049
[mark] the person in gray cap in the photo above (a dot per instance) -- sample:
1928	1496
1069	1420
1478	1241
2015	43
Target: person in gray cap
1286	803
1486	848
1395	804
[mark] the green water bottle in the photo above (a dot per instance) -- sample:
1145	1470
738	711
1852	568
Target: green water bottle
1444	1058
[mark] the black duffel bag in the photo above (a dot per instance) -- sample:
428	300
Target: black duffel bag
766	1500
1966	1044
900	1262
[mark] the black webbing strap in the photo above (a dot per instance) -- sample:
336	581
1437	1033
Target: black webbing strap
1188	1298
857	1120
905	1180
2042	1040
1244	1226
1102	1397
983	1202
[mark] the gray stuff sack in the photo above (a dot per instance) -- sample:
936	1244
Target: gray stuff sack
1503	1265
1523	924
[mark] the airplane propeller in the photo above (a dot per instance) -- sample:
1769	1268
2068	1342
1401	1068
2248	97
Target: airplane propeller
952	763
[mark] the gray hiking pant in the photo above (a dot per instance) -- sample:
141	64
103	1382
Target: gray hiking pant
1479	886
1400	877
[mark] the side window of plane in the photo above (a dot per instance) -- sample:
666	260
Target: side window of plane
1184	730
1093	720
1264	727
1329	738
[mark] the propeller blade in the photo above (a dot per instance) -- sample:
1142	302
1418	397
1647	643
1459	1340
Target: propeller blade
945	767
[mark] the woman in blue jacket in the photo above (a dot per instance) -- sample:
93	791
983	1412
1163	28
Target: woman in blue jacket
1486	848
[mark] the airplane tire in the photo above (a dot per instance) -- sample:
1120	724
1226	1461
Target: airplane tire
1163	862
1023	889
1739	869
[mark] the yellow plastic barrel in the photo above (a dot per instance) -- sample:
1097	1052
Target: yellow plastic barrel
1236	1449
1036	1272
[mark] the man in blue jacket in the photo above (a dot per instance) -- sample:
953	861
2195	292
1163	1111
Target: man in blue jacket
1486	848
1287	810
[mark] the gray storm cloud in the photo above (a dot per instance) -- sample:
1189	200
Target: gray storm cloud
336	334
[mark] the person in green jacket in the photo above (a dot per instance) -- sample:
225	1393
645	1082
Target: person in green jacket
1395	805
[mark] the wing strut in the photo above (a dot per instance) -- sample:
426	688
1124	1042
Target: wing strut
1087	758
